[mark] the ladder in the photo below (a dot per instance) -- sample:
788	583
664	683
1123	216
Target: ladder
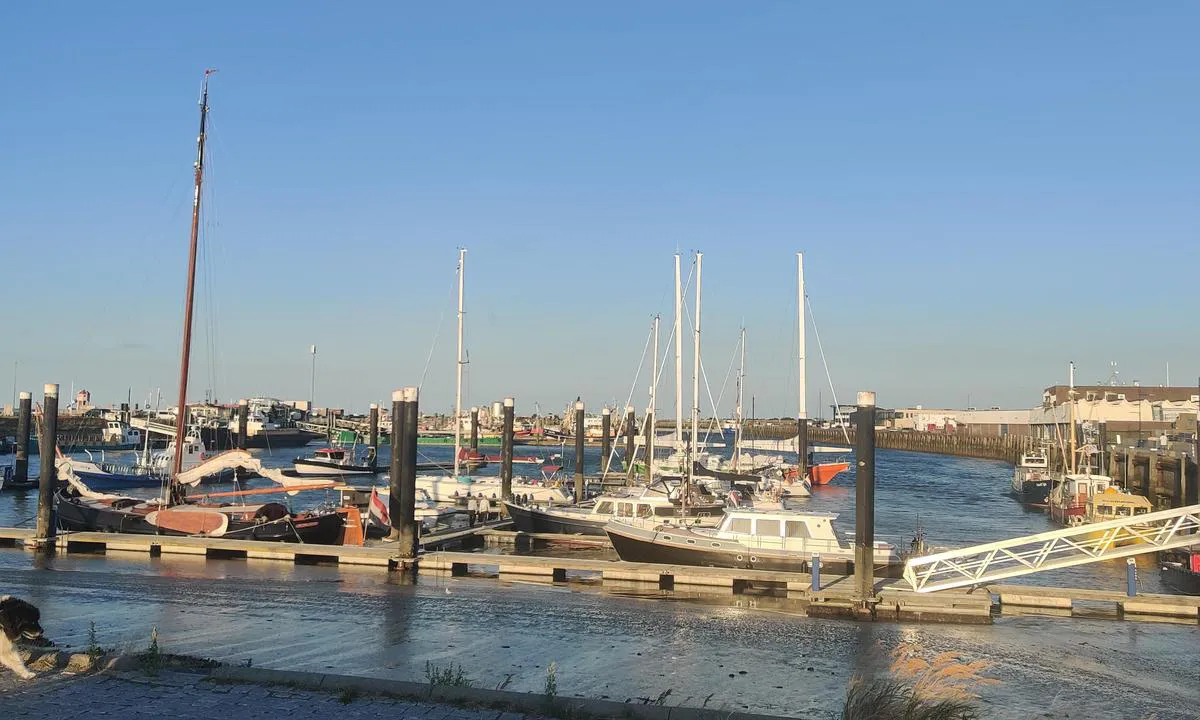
1080	545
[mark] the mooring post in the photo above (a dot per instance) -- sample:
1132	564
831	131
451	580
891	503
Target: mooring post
864	491
474	432
21	463
1130	577
46	447
816	572
630	434
506	452
606	439
579	493
802	445
373	435
409	532
399	437
648	432
243	421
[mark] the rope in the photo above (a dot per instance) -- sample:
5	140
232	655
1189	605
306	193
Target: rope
828	376
612	451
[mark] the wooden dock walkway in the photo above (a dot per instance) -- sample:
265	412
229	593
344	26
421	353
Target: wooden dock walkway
893	601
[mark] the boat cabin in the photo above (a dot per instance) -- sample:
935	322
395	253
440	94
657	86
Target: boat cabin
118	433
336	455
1112	504
1035	460
789	531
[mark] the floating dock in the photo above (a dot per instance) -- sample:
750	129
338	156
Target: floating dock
894	600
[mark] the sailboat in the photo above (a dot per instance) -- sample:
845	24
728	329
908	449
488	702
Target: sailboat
818	473
81	508
450	489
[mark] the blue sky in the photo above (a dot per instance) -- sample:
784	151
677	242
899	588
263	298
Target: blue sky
983	193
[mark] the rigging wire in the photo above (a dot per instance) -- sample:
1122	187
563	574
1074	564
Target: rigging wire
606	467
828	376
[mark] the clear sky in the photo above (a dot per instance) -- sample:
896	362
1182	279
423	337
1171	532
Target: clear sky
984	191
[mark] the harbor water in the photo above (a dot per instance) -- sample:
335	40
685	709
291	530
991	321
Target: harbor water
733	652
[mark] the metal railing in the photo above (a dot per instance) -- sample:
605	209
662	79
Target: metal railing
1080	545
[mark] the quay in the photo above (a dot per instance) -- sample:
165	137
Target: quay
894	599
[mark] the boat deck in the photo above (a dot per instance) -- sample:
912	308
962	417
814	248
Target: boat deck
893	599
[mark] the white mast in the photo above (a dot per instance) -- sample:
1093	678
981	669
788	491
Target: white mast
652	411
802	406
462	259
741	379
1071	414
678	359
695	374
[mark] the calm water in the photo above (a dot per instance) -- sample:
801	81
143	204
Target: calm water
748	653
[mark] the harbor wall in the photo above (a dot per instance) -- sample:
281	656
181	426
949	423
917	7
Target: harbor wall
1167	478
71	428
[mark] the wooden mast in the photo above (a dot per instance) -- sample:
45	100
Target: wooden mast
181	416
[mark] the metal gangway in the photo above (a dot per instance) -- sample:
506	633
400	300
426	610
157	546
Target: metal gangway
1079	545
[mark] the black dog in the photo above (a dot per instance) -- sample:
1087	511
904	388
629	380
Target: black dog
18	623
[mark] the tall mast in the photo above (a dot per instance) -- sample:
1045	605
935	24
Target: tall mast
652	414
678	358
741	379
1071	414
462	260
802	404
185	359
695	380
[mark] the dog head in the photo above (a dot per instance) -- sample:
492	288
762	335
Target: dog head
19	620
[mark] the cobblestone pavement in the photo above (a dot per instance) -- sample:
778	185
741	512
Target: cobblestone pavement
187	696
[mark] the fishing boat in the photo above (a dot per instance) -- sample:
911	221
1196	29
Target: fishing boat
1032	480
659	500
82	508
751	539
333	462
1068	502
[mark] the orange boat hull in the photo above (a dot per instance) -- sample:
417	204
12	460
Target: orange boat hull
823	473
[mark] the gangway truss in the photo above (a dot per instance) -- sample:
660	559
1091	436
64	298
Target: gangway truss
1079	545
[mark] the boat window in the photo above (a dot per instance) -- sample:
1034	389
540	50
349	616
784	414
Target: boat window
665	511
740	525
644	510
605	507
796	529
625	509
1141	511
768	528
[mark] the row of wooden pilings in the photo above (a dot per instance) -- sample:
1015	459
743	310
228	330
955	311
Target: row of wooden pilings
402	480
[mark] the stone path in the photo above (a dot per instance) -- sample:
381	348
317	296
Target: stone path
188	696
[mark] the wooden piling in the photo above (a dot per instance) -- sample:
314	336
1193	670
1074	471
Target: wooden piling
506	452
243	421
630	434
21	462
373	435
864	492
474	431
409	532
648	431
49	475
606	439
802	445
398	439
579	489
